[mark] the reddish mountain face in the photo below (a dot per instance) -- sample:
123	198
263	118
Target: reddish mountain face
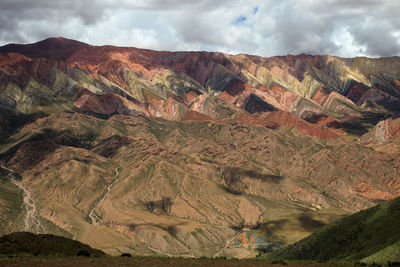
191	153
168	84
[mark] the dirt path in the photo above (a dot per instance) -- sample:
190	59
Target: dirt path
94	217
32	222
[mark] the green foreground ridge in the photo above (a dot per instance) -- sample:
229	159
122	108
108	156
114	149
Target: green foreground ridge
370	236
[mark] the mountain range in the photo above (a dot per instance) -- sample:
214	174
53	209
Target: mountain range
191	153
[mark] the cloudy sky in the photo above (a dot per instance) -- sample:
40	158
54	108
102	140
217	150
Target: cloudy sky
345	28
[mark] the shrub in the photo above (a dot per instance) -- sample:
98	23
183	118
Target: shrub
84	253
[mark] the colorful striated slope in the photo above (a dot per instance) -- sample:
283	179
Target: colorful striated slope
304	85
383	132
191	153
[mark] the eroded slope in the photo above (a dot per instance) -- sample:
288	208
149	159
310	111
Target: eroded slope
186	188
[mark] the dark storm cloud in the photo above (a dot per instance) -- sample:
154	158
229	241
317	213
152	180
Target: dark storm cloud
175	4
265	27
88	11
377	30
32	20
377	39
302	32
316	26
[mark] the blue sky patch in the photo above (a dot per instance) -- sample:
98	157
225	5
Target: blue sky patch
255	10
240	20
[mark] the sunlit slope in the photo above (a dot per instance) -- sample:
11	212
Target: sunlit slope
183	188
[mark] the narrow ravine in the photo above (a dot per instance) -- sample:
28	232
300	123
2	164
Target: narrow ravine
32	221
94	217
228	242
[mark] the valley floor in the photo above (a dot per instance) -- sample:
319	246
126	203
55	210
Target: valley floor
142	261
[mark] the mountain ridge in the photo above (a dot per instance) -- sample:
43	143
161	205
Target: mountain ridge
52	43
193	153
121	82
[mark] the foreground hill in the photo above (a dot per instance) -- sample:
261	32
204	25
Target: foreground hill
369	236
24	243
191	153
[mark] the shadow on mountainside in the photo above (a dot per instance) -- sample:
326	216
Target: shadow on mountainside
309	223
32	151
235	174
110	146
234	179
360	126
170	228
11	122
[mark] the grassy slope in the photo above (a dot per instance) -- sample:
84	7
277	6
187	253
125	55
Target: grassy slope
371	235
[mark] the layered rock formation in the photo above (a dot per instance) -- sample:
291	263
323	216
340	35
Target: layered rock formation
167	84
187	153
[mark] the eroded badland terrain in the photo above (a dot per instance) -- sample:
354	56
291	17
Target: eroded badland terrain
191	153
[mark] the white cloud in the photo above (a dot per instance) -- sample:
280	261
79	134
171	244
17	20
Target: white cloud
339	27
347	47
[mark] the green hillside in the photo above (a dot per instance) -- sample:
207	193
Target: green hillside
368	236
